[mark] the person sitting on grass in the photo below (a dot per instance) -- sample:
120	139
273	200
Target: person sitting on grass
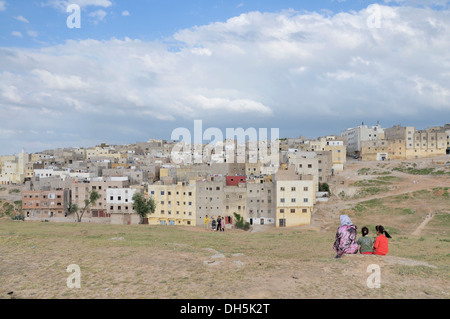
345	242
365	242
381	245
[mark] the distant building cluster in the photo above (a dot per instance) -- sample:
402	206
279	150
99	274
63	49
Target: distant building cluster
185	193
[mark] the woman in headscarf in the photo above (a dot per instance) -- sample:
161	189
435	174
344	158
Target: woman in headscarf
345	242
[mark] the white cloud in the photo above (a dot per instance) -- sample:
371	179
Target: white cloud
21	19
17	34
420	2
99	15
125	13
274	69
2	5
32	33
63	4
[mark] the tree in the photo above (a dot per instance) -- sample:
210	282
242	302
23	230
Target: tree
93	197
142	206
240	223
324	187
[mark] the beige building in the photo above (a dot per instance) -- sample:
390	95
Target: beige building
16	169
295	198
81	190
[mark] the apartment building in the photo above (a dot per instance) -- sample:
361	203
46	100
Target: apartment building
175	204
405	142
46	204
234	201
295	198
260	202
16	169
119	203
306	163
356	135
210	197
81	190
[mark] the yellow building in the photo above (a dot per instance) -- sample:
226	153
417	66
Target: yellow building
175	204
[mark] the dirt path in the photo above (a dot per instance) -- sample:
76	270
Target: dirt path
419	229
326	213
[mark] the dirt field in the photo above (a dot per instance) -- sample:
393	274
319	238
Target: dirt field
144	261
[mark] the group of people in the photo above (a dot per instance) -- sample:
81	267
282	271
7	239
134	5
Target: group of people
215	224
347	243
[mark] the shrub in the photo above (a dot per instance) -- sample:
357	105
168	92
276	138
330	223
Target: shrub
324	187
240	223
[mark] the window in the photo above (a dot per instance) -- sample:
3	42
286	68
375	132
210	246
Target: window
305	188
282	210
305	200
282	189
281	200
309	165
292	200
304	210
293	189
292	210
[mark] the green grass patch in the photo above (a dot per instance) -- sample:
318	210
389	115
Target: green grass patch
372	191
363	171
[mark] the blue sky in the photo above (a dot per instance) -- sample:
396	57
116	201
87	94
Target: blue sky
138	69
142	19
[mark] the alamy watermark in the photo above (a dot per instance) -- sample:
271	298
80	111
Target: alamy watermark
74	279
374	279
239	145
74	19
374	19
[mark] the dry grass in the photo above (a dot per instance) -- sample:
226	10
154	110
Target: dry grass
163	262
142	261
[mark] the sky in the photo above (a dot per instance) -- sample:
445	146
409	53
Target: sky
139	69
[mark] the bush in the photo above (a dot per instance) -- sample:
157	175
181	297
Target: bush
240	223
324	187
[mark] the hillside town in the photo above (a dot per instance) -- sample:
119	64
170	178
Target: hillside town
185	193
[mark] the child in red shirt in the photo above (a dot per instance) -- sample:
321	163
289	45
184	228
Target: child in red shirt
381	245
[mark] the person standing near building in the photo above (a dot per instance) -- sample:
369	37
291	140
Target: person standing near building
206	222
219	224
213	223
222	224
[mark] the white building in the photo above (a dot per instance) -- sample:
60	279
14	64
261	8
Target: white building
119	203
359	134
